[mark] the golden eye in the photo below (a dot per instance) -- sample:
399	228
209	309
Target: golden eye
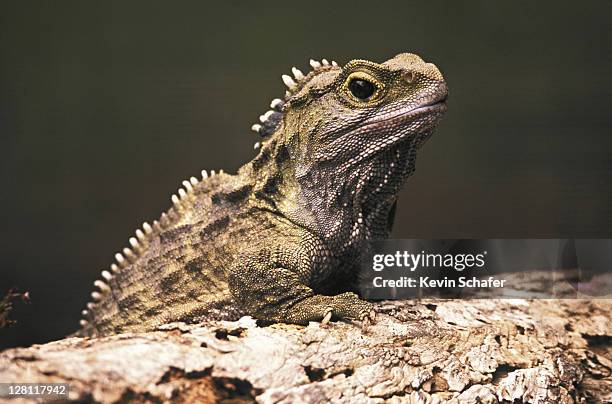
362	86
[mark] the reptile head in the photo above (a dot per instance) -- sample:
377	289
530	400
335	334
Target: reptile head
352	132
352	114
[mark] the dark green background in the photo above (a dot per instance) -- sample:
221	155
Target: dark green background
106	107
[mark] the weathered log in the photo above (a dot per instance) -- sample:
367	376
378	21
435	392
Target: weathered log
544	351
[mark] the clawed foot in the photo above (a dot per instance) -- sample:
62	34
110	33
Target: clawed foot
346	306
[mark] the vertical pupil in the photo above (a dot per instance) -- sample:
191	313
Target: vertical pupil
361	89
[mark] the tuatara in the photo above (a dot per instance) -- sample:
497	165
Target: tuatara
279	239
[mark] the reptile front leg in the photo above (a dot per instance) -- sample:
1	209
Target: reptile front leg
276	291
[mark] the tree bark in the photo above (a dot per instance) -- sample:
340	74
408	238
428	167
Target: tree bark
428	351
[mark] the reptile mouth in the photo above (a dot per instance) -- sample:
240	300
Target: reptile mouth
437	106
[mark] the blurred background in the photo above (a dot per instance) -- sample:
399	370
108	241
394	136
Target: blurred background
106	106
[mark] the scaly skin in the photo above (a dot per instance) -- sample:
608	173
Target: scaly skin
280	239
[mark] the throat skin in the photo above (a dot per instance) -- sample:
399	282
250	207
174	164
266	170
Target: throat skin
350	204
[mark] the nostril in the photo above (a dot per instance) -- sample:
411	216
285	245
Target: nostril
409	77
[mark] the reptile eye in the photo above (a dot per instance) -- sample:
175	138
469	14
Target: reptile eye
361	89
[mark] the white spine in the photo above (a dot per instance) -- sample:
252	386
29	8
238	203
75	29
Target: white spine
147	228
314	64
102	286
120	260
276	103
288	81
129	254
187	186
297	73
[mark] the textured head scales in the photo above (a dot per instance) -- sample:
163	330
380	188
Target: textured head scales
350	136
271	119
349	114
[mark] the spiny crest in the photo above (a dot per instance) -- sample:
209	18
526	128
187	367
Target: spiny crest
269	121
140	242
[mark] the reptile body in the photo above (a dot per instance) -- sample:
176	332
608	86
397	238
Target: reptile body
279	239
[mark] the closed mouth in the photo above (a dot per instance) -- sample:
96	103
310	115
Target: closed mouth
437	106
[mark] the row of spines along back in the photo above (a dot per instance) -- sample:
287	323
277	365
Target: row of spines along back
139	242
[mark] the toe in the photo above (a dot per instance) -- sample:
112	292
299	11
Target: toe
365	323
327	317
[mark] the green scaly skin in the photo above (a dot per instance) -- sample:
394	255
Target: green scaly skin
279	240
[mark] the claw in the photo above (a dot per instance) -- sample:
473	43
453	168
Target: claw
373	315
327	317
365	323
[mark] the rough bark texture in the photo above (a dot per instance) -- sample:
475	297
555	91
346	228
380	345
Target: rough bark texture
553	351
